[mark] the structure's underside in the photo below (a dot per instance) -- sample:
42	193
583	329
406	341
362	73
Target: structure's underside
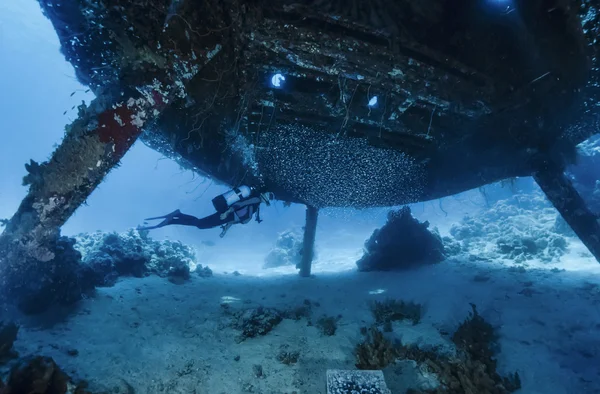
467	92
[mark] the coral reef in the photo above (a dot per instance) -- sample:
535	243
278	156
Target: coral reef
520	228
40	375
287	250
80	264
134	253
391	310
37	285
8	336
203	272
401	243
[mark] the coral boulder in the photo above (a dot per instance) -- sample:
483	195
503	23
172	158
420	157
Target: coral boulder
402	242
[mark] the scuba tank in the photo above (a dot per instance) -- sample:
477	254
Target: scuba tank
224	201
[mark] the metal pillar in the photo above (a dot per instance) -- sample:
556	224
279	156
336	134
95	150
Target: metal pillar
310	230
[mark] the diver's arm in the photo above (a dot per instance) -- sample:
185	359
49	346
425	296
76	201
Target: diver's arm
242	204
227	212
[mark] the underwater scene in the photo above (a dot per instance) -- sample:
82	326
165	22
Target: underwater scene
300	197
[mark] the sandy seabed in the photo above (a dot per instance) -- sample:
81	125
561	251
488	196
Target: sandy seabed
157	337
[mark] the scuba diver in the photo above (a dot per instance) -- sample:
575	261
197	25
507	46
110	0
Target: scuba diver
235	206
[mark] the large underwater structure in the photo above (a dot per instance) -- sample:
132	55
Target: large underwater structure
335	103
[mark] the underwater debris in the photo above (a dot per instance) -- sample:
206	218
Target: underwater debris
391	310
402	242
328	324
134	253
255	321
342	382
8	336
376	351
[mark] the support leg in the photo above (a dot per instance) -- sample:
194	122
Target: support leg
310	230
562	194
30	246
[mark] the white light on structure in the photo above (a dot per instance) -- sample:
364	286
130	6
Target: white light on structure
373	101
277	79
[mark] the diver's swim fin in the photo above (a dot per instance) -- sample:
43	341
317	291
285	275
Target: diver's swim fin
168	219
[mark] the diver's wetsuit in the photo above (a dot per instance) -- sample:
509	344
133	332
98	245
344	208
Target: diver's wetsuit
239	212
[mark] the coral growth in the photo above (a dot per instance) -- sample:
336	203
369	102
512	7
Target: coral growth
203	272
520	228
473	370
401	243
37	285
256	321
287	250
134	253
39	375
328	325
390	310
478	338
8	336
286	356
253	322
376	351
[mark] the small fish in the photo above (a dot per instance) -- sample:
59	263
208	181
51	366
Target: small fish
208	243
72	94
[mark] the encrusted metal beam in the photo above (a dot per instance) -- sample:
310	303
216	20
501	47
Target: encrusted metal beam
93	145
565	198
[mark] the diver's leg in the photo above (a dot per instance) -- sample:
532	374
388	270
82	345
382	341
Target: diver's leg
175	217
213	220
